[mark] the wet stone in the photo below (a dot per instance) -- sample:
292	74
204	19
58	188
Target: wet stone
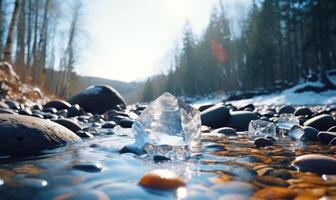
50	110
271	181
332	129
286	109
275	193
310	134
240	120
62	112
126	123
332	142
326	137
6	111
268	113
161	179
160	159
226	131
131	148
58	104
96	125
262	142
304	111
75	110
69	124
279	173
25	111
84	134
92	168
103	95
316	163
216	116
24	134
110	124
321	122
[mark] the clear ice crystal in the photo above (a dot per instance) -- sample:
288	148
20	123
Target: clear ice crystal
168	127
296	132
262	128
287	121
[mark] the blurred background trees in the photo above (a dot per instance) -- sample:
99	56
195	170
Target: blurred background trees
272	45
39	38
279	42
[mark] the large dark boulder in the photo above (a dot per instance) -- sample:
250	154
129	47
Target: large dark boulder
321	122
98	99
240	119
21	134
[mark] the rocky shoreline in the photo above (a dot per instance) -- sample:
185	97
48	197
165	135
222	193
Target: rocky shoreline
278	165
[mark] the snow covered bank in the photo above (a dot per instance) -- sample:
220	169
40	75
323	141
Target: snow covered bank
287	96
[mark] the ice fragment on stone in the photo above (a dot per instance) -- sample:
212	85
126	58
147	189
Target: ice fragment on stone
296	132
287	121
262	128
168	127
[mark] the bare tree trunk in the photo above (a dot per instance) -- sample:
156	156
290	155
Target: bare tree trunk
21	35
9	41
40	59
32	61
2	21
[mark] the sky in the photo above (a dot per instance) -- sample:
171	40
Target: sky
130	40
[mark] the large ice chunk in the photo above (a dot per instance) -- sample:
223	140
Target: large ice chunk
262	128
168	127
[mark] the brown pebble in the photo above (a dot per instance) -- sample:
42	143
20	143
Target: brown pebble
275	193
161	179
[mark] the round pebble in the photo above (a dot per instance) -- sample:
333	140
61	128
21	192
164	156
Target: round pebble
275	193
262	142
92	168
161	179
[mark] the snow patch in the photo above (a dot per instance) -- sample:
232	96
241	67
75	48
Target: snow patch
289	97
286	97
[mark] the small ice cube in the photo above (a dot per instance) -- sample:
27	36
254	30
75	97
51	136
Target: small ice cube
287	121
296	132
262	128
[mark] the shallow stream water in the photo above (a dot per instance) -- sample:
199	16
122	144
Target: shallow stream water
229	167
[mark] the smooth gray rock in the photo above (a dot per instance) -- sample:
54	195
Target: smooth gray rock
21	134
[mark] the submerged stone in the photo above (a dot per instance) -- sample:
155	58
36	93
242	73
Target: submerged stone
161	179
168	127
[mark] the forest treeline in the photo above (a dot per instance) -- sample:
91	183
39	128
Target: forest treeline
279	43
39	37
